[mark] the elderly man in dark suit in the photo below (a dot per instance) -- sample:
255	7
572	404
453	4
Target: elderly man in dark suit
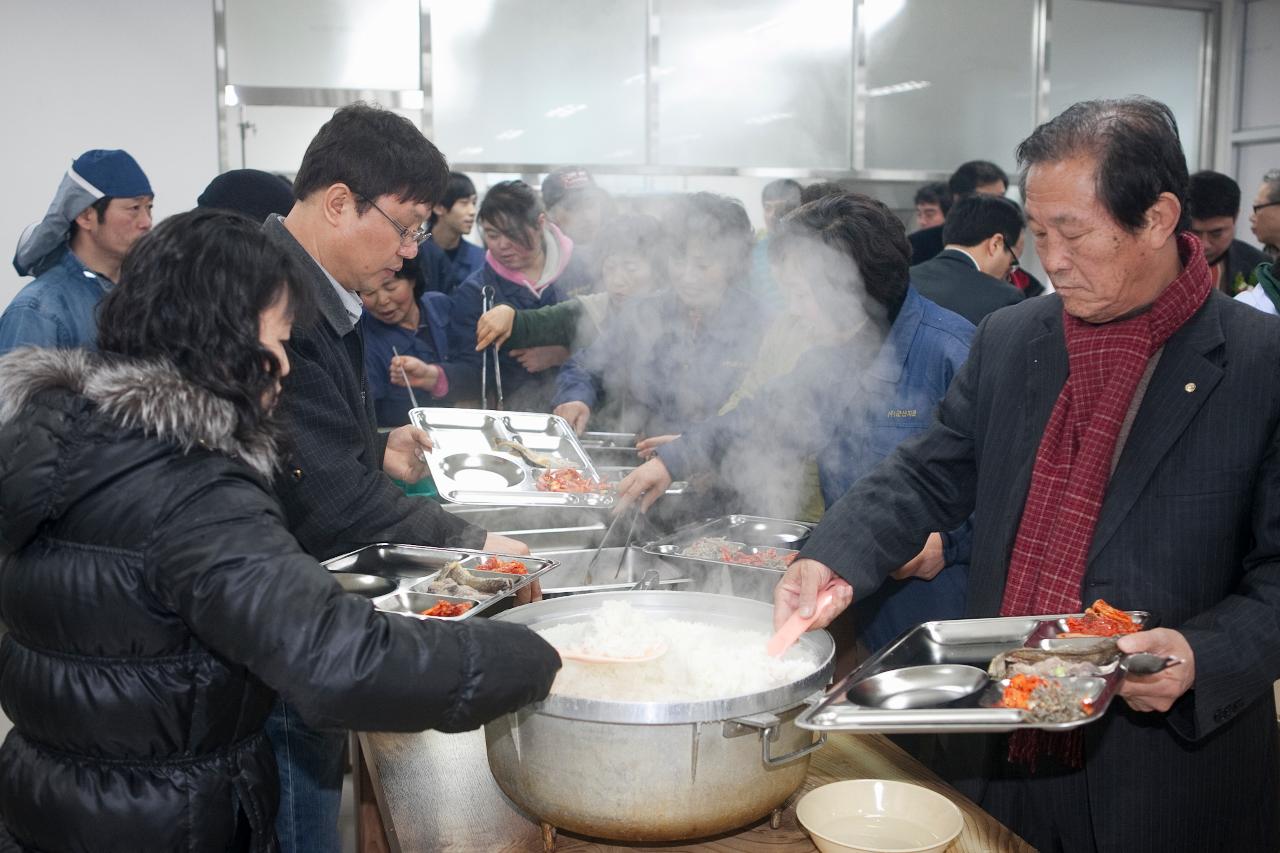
364	191
1119	439
968	276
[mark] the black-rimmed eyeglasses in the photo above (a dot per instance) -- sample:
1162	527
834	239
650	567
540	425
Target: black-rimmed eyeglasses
416	236
1013	258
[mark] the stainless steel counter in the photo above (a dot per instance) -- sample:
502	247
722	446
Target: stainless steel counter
434	792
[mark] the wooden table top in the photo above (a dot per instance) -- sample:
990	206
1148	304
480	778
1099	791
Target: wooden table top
435	793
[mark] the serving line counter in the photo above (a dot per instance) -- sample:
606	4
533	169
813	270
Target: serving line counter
434	792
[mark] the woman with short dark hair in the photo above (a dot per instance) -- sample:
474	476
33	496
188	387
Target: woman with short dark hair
155	601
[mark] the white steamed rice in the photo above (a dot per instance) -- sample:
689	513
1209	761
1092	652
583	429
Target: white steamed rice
703	662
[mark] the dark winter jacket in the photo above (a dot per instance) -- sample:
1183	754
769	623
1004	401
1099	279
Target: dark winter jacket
156	604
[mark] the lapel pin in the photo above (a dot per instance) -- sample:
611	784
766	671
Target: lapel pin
1189	387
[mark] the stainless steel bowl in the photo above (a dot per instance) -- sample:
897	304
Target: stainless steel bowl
482	470
370	586
918	686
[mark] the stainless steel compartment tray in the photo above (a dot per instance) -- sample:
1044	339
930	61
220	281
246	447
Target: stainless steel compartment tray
751	531
971	642
470	466
411	567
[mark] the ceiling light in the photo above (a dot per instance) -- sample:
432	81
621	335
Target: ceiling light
897	88
565	110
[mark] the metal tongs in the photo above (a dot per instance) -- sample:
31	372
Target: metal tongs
486	295
604	541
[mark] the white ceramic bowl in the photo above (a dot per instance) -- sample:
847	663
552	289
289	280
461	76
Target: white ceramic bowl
878	816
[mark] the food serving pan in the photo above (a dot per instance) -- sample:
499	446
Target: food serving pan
924	682
477	457
615	455
611	449
744	534
396	577
657	771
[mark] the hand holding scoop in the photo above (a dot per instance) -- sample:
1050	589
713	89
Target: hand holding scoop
786	636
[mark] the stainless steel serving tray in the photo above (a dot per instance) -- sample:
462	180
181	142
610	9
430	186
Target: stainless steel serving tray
967	642
409	568
611	449
753	532
469	466
615	456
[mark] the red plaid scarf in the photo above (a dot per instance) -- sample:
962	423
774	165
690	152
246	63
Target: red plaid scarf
1073	463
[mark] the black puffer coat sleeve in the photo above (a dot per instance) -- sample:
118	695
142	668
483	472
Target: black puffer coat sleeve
224	562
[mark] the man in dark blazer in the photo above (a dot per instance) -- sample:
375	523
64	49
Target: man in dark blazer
364	191
968	276
975	177
1213	202
1119	439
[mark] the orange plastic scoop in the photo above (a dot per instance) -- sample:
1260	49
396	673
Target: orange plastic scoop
786	636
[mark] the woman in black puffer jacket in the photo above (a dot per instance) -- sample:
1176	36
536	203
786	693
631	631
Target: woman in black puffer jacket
154	600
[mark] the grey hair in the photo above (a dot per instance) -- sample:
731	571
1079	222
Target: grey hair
1272	180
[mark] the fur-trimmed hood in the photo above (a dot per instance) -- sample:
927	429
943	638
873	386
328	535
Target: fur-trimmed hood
152	396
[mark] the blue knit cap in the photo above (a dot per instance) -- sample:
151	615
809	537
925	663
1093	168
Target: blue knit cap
112	173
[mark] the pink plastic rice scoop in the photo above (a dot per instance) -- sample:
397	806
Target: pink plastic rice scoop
786	636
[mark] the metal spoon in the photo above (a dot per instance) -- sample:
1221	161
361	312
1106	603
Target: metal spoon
533	457
1145	663
413	400
408	386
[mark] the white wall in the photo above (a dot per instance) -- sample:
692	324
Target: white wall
81	74
1254	110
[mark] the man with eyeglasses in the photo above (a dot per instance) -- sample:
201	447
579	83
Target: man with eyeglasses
1213	202
979	237
101	208
363	193
1265	220
1265	296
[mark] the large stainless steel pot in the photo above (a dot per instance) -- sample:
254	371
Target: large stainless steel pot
657	771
